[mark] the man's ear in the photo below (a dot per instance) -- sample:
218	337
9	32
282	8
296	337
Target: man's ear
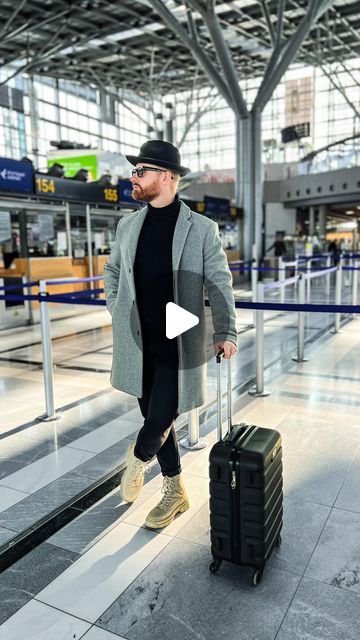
166	177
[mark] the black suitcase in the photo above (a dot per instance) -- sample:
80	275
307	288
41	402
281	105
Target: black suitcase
246	498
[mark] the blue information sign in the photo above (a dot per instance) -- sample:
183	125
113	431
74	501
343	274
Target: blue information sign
16	176
125	190
216	206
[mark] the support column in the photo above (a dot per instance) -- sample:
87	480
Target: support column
311	221
169	122
322	219
89	245
68	229
34	119
24	249
57	109
248	181
242	184
256	180
169	131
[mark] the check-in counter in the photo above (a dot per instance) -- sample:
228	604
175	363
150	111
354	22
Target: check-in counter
47	268
13	313
99	263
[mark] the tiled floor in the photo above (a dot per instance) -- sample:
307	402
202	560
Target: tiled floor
104	576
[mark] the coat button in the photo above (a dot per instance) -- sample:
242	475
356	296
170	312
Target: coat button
133	301
138	333
129	270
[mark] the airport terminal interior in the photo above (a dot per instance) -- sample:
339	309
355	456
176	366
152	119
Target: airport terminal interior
262	100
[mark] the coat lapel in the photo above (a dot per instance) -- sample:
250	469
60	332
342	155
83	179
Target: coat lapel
182	227
133	233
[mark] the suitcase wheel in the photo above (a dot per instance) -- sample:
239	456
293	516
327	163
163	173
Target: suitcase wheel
279	540
215	565
258	574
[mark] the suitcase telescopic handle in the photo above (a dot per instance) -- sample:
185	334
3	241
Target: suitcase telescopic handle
218	392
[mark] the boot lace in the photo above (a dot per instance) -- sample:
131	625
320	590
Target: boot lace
137	468
168	492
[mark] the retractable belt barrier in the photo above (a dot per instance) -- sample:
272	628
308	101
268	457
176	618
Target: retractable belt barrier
300	268
258	307
10	287
262	306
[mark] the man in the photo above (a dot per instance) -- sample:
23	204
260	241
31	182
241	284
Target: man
279	246
154	249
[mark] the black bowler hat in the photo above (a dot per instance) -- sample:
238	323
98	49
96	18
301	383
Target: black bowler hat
160	153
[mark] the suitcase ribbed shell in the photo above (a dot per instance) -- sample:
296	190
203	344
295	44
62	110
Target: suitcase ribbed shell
246	521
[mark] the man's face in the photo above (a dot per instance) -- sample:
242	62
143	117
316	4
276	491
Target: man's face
148	187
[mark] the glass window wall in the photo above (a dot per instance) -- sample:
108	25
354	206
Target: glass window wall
71	111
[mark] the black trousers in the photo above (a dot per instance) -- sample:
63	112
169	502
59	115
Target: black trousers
158	406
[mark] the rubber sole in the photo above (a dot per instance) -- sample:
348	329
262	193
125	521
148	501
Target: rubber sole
164	523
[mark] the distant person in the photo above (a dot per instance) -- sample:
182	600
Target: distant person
333	249
10	250
141	260
50	249
279	247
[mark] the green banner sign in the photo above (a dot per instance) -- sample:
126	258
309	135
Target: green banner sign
73	164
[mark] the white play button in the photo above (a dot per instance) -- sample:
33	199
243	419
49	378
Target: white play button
178	320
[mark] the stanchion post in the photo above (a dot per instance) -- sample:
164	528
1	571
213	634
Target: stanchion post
345	261
194	426
47	357
192	440
254	277
338	296
355	284
89	245
282	276
301	322
259	390
328	265
308	287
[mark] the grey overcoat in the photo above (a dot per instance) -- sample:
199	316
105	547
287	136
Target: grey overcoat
196	249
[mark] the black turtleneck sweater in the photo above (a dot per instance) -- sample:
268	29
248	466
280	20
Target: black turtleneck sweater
153	276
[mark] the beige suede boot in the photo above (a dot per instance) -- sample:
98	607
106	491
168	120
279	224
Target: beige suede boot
133	476
174	501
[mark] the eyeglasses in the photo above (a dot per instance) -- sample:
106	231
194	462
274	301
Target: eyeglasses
139	171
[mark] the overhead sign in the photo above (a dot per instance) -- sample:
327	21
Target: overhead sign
295	132
125	191
178	320
216	206
66	189
16	176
